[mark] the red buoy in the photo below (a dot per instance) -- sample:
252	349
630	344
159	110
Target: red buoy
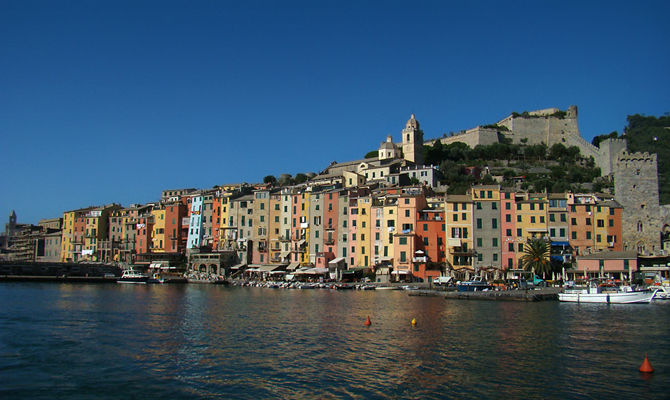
368	322
646	366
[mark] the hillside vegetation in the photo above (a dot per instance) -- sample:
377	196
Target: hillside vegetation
529	167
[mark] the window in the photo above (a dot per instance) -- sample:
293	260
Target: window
562	232
564	218
520	247
406	213
494	242
353	236
489	194
494	206
532	219
588	235
455	217
425	227
494	223
508	205
588	221
479	242
479	205
508	217
508	232
479	223
541	206
542	219
519	232
574	235
402	240
518	218
599	238
463	216
532	206
403	256
552	232
573	221
601	223
495	256
425	241
510	247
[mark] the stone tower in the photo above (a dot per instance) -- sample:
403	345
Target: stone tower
10	228
412	141
636	189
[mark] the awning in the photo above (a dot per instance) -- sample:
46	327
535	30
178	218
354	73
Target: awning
268	268
292	266
283	254
401	272
560	243
336	261
419	252
238	266
277	272
454	242
252	270
301	242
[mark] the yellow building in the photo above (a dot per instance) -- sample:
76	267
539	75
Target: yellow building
363	240
67	238
531	220
158	230
458	216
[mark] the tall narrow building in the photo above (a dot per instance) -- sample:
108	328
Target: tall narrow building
412	141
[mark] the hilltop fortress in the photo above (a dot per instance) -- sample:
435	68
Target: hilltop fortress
635	175
549	126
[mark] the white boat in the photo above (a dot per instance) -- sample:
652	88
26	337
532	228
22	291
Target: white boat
132	276
608	295
663	292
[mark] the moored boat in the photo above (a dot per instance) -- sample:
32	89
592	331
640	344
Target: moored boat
132	276
607	294
475	285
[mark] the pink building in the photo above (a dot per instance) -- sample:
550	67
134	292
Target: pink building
508	230
614	264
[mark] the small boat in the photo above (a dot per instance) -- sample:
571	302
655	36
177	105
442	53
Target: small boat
156	278
387	288
476	285
344	287
132	276
607	294
663	292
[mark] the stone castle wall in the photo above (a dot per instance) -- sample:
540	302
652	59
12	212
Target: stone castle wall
471	137
636	189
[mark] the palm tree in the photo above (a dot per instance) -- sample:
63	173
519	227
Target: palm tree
536	257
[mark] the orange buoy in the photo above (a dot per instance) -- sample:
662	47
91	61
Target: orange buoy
413	321
368	322
646	366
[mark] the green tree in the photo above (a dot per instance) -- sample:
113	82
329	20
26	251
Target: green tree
285	180
270	179
372	154
536	257
301	178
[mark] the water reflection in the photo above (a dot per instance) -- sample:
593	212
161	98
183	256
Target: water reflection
186	341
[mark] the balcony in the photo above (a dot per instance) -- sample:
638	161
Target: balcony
329	242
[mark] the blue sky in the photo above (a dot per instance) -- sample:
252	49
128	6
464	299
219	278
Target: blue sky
113	101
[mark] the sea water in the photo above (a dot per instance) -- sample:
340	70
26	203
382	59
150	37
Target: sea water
205	341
